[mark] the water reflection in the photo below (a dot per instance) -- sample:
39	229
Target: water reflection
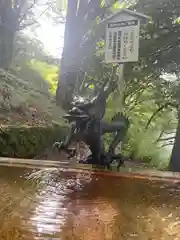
52	201
45	218
56	205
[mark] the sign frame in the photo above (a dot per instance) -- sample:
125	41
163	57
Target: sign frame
122	40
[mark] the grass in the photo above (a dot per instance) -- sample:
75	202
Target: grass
48	72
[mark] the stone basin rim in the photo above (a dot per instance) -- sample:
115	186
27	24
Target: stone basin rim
64	166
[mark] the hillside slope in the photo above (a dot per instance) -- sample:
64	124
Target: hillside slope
24	102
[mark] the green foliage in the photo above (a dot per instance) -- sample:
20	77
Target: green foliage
62	4
26	49
32	64
15	16
146	89
145	143
47	72
142	145
24	95
23	142
34	84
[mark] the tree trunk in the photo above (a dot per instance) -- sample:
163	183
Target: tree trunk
7	33
174	164
69	69
6	48
81	35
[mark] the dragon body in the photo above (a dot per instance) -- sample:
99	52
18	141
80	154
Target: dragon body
89	127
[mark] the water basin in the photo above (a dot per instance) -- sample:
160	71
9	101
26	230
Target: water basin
52	204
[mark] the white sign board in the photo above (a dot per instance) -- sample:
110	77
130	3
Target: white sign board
122	41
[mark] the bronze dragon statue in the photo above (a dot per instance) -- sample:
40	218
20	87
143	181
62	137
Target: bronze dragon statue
87	125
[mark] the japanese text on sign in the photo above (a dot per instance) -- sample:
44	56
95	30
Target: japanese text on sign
122	41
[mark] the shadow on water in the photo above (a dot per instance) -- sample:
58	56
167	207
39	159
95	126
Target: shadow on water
49	204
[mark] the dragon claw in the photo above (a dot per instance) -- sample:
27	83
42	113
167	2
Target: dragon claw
58	145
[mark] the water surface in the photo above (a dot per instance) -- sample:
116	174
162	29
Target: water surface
49	204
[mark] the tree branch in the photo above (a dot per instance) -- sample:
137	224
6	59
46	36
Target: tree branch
167	144
95	9
147	81
136	100
165	139
160	135
25	14
158	111
36	20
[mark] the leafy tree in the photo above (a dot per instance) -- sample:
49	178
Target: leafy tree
32	64
159	55
83	43
27	48
84	28
164	36
15	16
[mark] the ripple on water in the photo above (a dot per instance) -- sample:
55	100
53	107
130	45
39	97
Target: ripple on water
52	200
55	205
